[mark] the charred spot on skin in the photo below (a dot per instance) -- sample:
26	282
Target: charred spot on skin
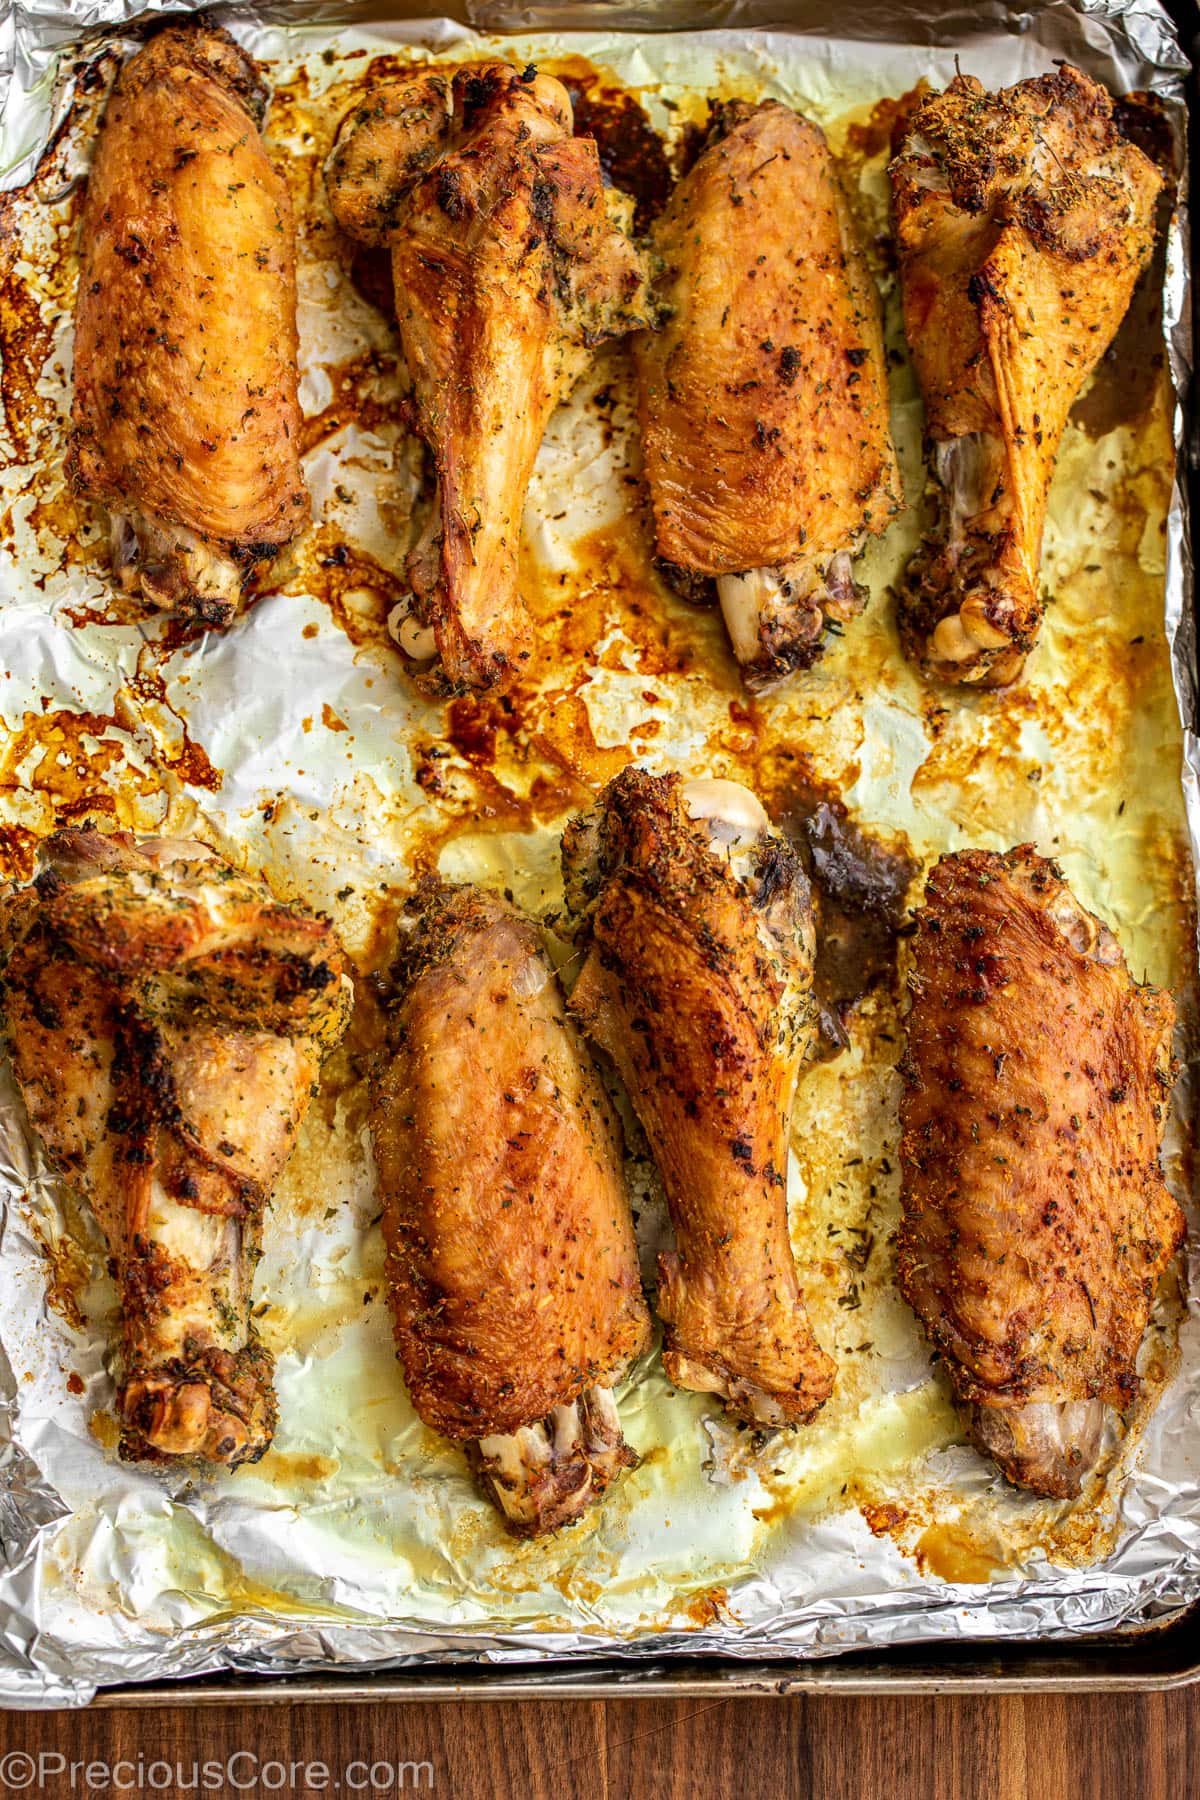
689	584
476	90
451	197
789	364
297	975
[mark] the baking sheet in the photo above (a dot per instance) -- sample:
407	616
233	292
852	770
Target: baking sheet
296	744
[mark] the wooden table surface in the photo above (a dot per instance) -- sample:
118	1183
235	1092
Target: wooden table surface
815	1748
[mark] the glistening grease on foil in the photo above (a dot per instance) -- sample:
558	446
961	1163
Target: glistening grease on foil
298	745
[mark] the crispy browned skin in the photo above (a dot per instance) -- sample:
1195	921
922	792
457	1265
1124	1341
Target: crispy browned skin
512	1268
186	420
167	1019
509	260
763	398
1036	1222
1023	220
696	980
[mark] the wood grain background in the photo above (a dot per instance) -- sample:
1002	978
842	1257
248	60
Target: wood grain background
1050	1748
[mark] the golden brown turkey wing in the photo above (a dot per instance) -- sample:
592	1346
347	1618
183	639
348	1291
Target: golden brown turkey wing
173	1105
186	420
1036	1222
512	1269
205	935
509	260
1023	220
763	398
696	924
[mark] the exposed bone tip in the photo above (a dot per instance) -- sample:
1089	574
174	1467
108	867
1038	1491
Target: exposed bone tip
952	642
733	815
745	1401
1046	1447
545	1475
418	642
963	634
965	646
744	599
173	568
185	1421
221	1411
775	615
973	616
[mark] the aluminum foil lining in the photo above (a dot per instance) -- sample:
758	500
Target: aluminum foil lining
296	745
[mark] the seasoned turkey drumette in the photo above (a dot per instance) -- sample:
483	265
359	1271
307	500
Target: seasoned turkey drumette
764	398
1036	1222
696	925
512	1269
1023	220
186	417
167	1019
510	260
